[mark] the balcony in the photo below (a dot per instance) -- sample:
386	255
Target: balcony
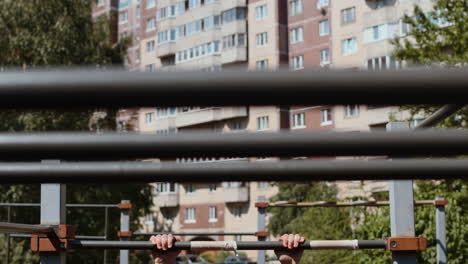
238	194
387	14
167	199
165	49
210	114
234	55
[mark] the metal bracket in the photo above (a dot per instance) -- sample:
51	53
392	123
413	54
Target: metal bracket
440	202
53	242
124	206
261	204
406	243
124	234
262	233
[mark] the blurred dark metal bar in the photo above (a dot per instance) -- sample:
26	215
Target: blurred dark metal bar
341	204
68	205
318	170
24	228
193	234
439	116
119	89
83	146
227	245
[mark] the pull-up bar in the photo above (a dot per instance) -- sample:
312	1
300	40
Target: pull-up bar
318	170
121	89
25	228
33	146
343	204
231	245
195	234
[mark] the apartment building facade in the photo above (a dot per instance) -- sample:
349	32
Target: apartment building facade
129	26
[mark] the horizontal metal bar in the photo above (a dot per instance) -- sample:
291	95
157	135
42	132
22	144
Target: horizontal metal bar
110	89
24	228
341	204
229	245
68	205
193	234
79	146
318	170
439	115
77	237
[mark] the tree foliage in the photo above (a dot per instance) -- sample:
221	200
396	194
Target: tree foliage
39	34
439	36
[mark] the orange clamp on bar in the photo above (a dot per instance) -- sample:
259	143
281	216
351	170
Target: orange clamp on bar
261	204
125	206
124	234
406	243
55	242
440	202
262	233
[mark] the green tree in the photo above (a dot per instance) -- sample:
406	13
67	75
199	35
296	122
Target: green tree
39	34
435	37
313	223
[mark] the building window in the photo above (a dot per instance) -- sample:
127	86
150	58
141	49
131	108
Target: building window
262	39
190	215
162	112
322	3
261	12
149	118
213	214
233	14
297	35
262	123
213	187
324	57
324	27
298	62
261	65
150	46
194	3
166	187
351	110
349	46
295	7
150	68
100	2
150	3
189	188
263	185
123	17
149	219
237	211
325	117
380	32
348	15
150	24
298	120
383	63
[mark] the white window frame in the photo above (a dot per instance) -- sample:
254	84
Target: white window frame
190	215
263	123
298	120
149	219
100	3
298	62
152	22
262	39
149	118
324	31
165	187
150	4
121	16
261	12
297	35
189	189
342	16
348	111
322	3
150	46
324	61
295	6
213	214
346	44
324	114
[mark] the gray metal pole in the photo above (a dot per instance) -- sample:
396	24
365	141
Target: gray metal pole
441	114
261	226
401	208
8	236
106	220
124	227
441	243
53	212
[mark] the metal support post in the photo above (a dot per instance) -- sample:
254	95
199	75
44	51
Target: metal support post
124	227
441	243
53	212
261	226
106	220
8	236
401	209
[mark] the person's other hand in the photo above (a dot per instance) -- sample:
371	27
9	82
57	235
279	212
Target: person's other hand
161	253
291	255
